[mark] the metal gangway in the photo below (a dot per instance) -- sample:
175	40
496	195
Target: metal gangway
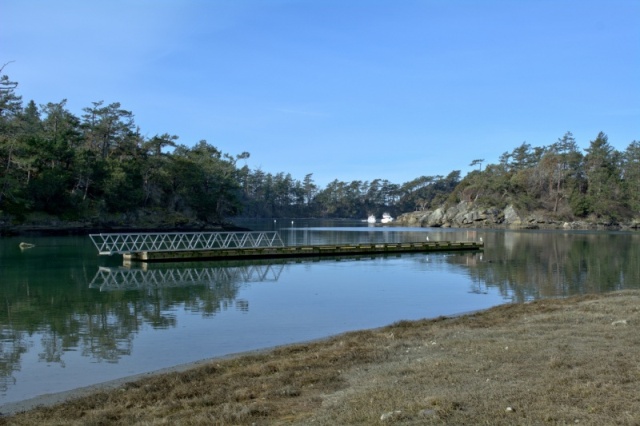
108	244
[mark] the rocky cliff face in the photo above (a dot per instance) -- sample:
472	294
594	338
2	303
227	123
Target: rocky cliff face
468	215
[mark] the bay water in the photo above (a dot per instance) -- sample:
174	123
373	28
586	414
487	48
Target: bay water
70	318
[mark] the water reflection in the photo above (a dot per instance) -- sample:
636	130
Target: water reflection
533	265
62	306
521	265
13	346
110	279
102	325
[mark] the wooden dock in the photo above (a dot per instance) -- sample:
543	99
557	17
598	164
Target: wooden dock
301	251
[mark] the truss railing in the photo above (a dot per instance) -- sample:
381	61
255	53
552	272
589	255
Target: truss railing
136	279
108	244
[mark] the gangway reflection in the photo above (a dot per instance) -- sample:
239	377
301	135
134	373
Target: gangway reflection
122	278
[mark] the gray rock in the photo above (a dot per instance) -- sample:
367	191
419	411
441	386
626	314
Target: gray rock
511	217
467	215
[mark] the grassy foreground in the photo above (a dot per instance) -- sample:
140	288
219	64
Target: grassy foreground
565	361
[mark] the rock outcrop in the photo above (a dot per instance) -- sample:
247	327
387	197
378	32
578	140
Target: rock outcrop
468	215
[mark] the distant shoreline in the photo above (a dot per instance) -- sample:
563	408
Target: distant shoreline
74	228
65	229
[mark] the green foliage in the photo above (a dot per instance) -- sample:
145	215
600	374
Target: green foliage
55	163
99	165
427	191
631	177
558	179
122	186
49	192
604	190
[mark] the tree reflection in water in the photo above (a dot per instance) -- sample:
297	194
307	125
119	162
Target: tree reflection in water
45	294
103	325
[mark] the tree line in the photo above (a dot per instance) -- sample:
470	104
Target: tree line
99	164
558	179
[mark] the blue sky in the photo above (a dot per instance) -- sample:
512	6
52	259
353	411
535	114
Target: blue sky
349	89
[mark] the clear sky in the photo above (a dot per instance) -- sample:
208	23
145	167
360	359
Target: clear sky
343	89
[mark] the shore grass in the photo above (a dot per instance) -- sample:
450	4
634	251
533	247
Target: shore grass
556	361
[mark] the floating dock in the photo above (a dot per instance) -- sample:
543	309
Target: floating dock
159	247
300	251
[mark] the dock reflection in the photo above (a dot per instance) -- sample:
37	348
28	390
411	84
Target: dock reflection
123	278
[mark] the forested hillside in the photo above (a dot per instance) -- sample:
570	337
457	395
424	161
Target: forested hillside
98	168
560	180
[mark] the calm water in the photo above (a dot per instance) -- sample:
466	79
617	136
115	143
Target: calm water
70	318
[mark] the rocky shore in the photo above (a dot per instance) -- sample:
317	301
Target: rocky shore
463	215
468	215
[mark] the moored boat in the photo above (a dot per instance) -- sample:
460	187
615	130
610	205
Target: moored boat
386	218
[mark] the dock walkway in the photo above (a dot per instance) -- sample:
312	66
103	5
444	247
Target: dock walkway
247	245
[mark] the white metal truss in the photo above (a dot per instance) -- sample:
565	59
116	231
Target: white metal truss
108	244
107	279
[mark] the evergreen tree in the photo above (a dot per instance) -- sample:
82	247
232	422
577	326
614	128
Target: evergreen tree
604	189
631	175
560	165
12	149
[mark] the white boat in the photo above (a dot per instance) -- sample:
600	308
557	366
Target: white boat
386	218
371	219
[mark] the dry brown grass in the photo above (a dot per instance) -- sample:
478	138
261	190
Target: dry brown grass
571	361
